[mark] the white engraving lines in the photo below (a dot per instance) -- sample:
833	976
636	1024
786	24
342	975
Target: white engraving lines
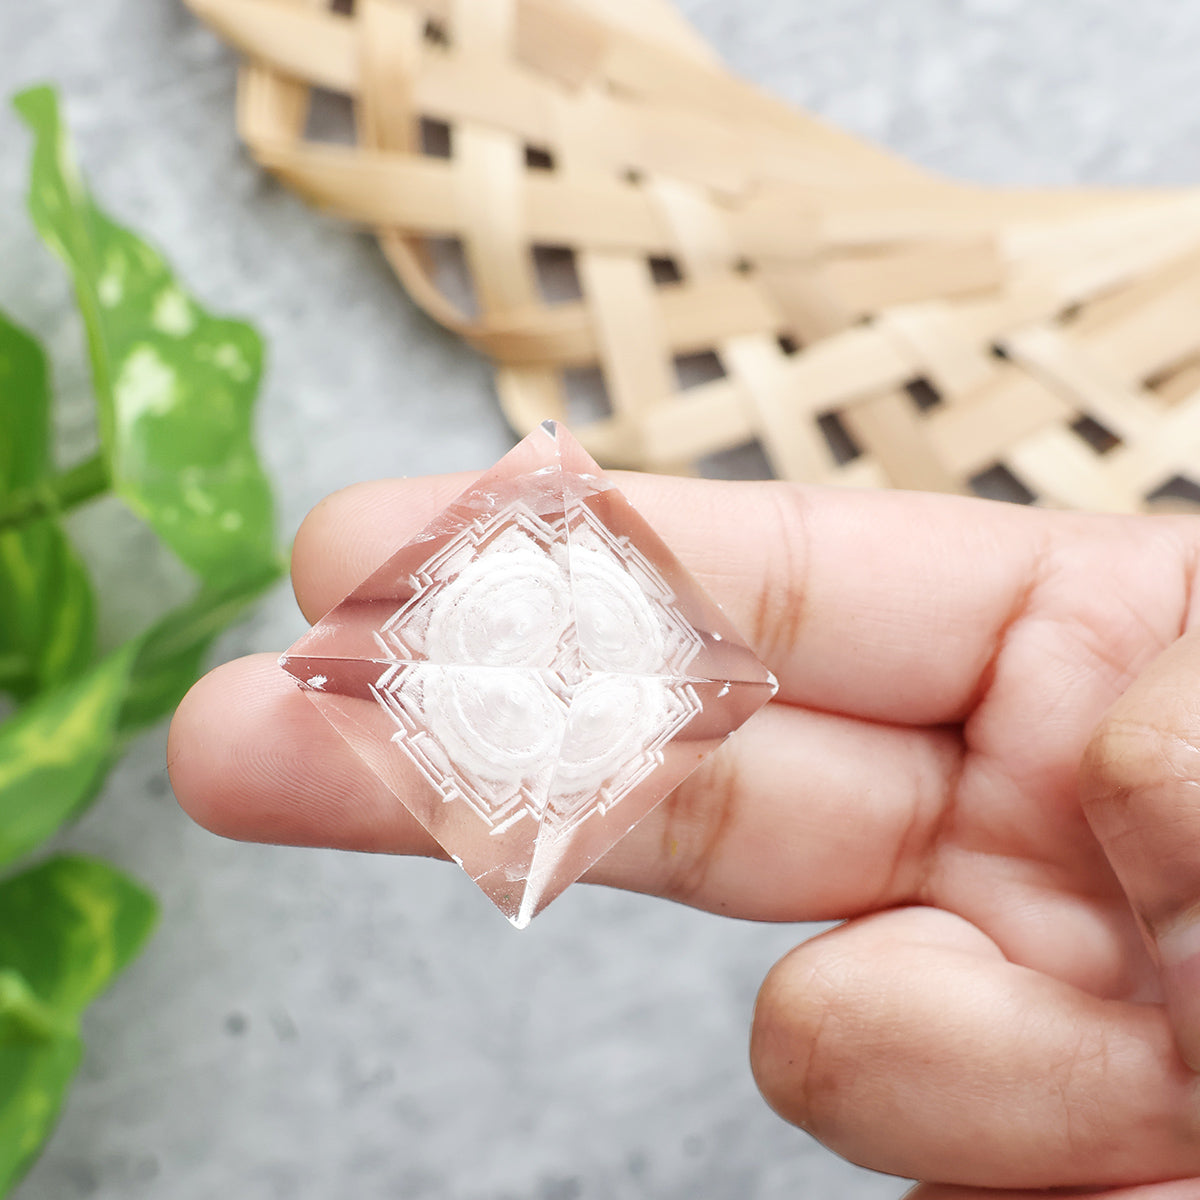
539	669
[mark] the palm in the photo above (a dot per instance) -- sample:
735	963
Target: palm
943	667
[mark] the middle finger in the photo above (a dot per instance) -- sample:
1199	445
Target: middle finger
799	816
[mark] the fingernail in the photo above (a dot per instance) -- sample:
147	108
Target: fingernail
1179	953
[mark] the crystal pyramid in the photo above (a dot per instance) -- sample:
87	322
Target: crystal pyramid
532	673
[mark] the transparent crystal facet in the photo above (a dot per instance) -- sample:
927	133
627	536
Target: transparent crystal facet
532	673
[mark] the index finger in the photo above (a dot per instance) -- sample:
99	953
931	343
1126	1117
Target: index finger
881	605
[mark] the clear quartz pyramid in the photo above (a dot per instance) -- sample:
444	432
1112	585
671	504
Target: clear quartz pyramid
532	673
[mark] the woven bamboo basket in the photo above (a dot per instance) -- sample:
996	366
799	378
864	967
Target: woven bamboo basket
736	270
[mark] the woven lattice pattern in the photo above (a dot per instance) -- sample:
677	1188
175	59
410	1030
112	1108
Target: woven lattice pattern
737	271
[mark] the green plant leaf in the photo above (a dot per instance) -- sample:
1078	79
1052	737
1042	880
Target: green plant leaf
24	408
23	1017
34	1080
175	385
173	651
67	926
47	611
55	751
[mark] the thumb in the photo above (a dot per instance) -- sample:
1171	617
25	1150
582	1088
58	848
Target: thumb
1140	789
1179	1189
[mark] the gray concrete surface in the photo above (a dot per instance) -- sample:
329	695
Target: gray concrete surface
311	1025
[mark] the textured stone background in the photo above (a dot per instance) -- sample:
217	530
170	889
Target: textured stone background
307	1024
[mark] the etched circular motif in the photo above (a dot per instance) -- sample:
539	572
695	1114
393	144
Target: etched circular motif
508	608
611	716
616	623
503	726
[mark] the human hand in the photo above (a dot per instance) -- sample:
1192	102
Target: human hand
938	770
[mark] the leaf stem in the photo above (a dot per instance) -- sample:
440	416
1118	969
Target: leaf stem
58	494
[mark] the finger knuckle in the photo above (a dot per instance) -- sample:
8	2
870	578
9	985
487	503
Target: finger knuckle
776	621
698	819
